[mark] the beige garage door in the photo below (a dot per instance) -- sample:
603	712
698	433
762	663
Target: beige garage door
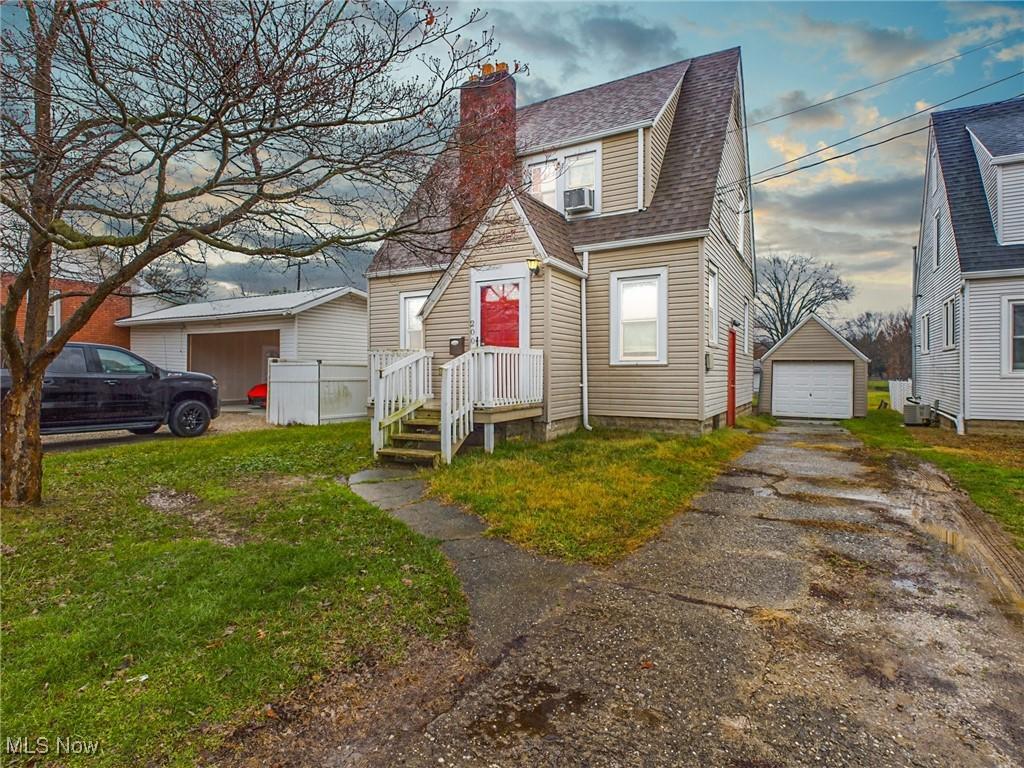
238	360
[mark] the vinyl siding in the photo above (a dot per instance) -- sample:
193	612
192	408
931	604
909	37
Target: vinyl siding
167	345
1011	202
564	354
735	277
655	142
937	372
991	395
812	343
383	308
335	330
668	391
989	179
619	173
506	242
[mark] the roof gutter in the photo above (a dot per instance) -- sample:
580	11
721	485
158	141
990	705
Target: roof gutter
583	139
610	245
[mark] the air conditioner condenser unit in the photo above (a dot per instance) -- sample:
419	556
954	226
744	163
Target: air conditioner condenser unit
916	414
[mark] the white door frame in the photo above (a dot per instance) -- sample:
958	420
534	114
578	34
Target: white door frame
501	273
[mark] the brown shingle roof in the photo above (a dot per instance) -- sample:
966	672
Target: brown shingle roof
618	104
551	227
689	174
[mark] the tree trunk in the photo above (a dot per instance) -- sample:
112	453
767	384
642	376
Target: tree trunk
21	448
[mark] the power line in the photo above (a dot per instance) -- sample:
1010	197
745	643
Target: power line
867	132
882	82
866	146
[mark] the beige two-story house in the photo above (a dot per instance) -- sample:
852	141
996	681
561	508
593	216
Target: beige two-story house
610	282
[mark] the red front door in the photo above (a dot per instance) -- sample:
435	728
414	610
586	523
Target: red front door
499	314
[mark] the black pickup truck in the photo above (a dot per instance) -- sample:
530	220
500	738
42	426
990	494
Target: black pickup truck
96	387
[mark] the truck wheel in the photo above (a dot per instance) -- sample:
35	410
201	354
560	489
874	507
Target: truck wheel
145	430
189	418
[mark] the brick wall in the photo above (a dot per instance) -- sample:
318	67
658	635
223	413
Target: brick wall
100	328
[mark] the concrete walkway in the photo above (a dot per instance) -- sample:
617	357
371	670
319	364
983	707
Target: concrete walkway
508	589
798	616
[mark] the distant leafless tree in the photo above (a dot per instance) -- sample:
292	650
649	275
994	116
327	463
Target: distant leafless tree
790	287
155	131
885	338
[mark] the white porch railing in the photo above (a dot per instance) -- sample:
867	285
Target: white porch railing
457	386
507	376
398	389
382	358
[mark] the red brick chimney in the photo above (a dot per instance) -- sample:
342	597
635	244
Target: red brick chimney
487	146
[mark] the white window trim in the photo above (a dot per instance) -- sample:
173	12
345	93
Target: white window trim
1006	337
560	157
55	308
936	252
948	321
403	341
614	345
1001	210
479	276
714	314
926	332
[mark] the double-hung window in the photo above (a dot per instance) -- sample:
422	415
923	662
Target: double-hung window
53	315
713	311
926	332
639	317
581	171
1013	325
410	305
544	182
933	172
949	323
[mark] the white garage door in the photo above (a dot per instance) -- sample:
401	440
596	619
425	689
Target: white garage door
812	390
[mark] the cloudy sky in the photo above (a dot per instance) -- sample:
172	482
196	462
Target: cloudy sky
860	212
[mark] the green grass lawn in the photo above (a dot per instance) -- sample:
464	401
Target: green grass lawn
152	627
990	468
589	496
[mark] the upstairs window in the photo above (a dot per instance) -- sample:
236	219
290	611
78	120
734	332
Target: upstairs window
936	239
639	300
713	312
741	222
1013	324
949	323
581	171
933	172
926	332
412	324
544	182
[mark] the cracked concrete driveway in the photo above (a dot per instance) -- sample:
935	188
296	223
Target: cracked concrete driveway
798	616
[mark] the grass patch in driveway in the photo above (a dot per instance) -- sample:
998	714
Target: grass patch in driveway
990	468
169	589
589	496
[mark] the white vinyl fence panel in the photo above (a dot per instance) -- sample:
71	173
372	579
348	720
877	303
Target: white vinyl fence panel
302	392
899	391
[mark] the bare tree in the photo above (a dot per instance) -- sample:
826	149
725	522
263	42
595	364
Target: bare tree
151	131
790	287
885	338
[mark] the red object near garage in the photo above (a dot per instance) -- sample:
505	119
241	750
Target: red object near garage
257	396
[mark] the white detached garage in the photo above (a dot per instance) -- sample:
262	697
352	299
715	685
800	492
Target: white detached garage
814	373
232	339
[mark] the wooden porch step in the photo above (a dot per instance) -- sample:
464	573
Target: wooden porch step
417	437
410	455
429	413
424	422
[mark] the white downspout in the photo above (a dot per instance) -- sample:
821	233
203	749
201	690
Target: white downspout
583	341
961	422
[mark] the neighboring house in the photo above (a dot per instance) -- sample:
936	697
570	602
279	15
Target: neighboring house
814	373
232	339
100	328
969	268
610	282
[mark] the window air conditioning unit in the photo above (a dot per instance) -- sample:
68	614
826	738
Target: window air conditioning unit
578	200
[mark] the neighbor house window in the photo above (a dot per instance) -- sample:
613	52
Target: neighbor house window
544	182
926	332
936	233
713	313
639	306
1014	324
412	324
949	323
53	315
933	172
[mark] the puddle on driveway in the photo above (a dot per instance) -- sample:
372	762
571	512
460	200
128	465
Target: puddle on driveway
530	714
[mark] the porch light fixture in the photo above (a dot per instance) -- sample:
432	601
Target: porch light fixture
533	264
